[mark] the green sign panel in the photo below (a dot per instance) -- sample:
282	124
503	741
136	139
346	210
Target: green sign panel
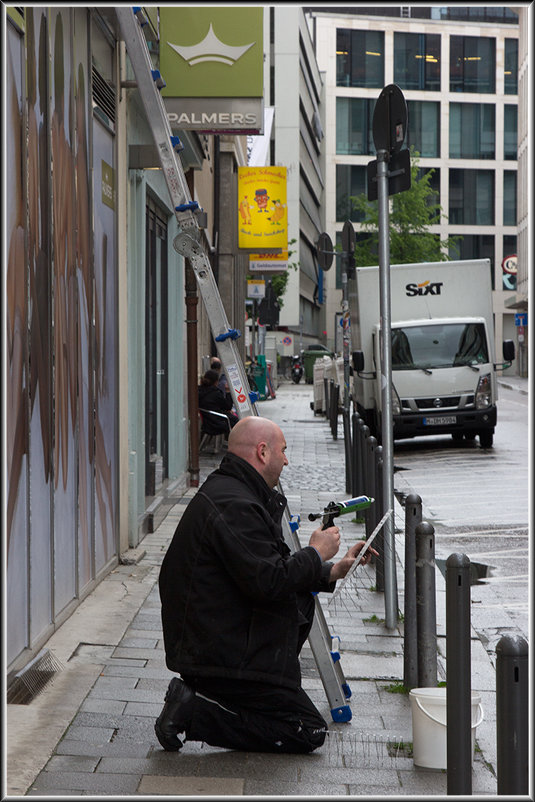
212	51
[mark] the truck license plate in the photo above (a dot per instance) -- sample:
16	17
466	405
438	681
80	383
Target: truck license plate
445	420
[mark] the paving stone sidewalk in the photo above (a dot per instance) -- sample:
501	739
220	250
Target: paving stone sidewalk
109	747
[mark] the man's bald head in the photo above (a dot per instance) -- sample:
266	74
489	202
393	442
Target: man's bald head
261	443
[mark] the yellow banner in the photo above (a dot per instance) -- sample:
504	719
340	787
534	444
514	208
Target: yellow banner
263	218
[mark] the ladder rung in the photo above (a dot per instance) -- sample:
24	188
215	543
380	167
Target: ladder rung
157	78
232	333
139	15
176	143
187	207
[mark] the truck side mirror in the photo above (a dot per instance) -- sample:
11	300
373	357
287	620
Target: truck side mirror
508	350
358	360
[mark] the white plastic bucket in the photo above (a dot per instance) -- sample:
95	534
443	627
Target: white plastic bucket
429	739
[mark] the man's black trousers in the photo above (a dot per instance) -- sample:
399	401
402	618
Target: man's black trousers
254	716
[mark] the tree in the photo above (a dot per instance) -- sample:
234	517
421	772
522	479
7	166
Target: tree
411	214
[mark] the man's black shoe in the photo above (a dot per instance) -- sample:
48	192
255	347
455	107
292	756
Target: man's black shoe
175	716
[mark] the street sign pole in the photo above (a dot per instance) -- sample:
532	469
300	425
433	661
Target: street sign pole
348	245
390	579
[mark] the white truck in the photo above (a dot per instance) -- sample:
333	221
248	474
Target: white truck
443	363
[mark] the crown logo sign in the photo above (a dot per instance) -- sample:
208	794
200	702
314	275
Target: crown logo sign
210	49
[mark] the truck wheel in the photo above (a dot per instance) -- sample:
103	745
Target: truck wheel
486	439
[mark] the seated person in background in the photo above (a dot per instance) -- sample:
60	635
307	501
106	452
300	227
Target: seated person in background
215	364
214	399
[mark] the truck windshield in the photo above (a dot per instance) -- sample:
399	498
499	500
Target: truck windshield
438	346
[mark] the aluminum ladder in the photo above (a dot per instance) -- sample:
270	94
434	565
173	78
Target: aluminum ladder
132	20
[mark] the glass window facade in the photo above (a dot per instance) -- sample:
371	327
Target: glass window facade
472	64
475	246
360	58
354	116
510	67
434	183
471	197
417	61
509	198
472	131
510	134
350	181
423	127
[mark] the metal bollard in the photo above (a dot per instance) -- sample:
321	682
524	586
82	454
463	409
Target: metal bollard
364	434
426	618
512	705
326	399
458	675
369	514
379	542
347	448
333	412
356	480
413	517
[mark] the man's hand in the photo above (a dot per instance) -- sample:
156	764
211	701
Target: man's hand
340	569
326	542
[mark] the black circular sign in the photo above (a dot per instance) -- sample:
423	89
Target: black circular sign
325	251
389	124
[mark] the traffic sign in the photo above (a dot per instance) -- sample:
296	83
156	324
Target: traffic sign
389	124
325	251
256	289
348	237
521	318
399	174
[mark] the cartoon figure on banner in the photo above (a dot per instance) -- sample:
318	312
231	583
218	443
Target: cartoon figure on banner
261	200
245	211
278	212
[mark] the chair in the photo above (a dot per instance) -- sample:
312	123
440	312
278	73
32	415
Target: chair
215	428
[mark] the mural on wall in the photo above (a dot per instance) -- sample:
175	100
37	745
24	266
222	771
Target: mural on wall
16	395
61	426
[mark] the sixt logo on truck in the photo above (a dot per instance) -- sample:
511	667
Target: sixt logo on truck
425	288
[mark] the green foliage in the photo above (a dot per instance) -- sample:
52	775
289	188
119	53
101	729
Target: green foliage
396	687
411	214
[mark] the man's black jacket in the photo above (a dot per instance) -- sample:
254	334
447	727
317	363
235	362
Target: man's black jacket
229	584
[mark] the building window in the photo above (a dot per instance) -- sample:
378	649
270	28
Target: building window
359	58
472	64
350	182
423	128
510	67
472	131
433	199
509	197
417	61
475	246
510	135
471	197
354	117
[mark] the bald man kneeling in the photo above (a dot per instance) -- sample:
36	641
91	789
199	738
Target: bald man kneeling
237	607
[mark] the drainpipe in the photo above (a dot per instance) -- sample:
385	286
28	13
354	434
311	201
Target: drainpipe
192	302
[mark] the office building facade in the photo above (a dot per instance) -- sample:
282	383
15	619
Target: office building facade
458	70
